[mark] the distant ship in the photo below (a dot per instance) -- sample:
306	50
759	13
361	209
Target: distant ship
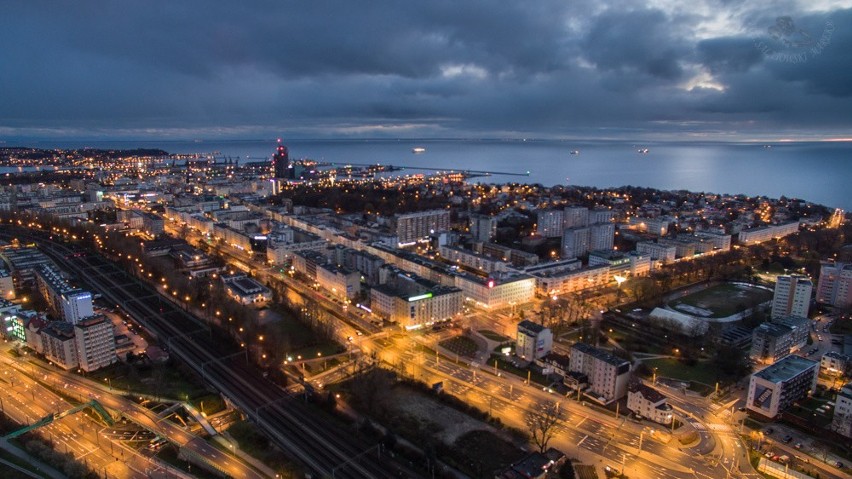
418	149
643	151
575	152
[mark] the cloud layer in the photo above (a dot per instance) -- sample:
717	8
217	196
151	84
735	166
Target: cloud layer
711	69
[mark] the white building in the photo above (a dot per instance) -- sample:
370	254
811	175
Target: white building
792	296
413	302
575	217
648	403
94	339
568	276
842	421
835	284
771	342
576	242
497	291
340	281
534	341
473	260
7	285
766	233
411	227
835	364
601	237
69	303
656	226
246	290
482	227
549	223
608	374
660	252
59	345
774	388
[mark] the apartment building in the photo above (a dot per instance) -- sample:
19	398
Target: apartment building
792	296
608	375
774	388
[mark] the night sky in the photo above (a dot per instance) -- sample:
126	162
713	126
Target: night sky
664	69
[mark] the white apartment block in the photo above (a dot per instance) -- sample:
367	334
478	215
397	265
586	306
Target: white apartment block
58	344
71	304
601	215
842	421
792	296
549	223
562	277
575	217
412	302
601	237
774	388
766	233
608	374
482	227
95	342
655	226
341	282
473	260
835	284
411	227
576	242
659	252
7	285
496	292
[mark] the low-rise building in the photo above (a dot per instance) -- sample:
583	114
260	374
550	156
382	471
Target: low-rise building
663	253
246	290
496	291
533	341
766	233
608	374
774	388
833	363
841	423
649	403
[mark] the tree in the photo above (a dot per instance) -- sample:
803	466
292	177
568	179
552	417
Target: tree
541	424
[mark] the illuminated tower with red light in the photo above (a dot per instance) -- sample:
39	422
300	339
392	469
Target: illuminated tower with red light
281	162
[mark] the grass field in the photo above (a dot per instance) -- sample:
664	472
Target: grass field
722	300
461	345
702	372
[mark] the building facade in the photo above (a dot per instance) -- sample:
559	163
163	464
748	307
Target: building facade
608	374
648	403
774	388
792	296
841	423
533	341
94	340
835	284
412	227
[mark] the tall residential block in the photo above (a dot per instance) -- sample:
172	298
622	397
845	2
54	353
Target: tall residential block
835	284
411	227
550	223
792	296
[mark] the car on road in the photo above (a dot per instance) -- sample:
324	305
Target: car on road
838	464
788	438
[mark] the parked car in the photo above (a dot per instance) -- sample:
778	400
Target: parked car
788	438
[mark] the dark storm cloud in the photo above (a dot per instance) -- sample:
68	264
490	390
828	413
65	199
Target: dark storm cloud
443	68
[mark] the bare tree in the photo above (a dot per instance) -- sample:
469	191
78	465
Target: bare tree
542	424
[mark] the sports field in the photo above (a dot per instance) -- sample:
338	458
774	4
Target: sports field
721	300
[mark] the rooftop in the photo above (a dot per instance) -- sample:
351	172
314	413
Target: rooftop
786	369
600	354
